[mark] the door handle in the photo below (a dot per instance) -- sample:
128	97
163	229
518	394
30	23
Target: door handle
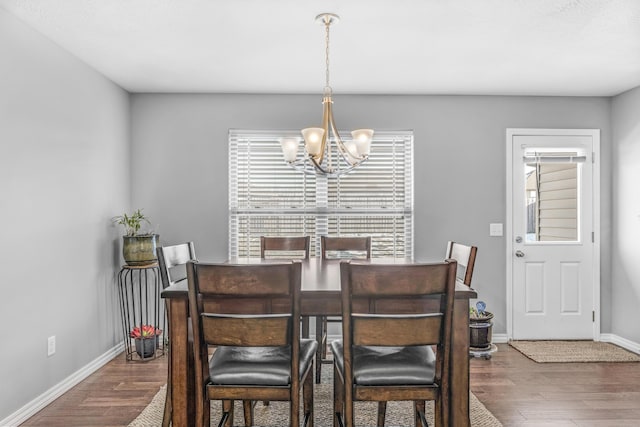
519	254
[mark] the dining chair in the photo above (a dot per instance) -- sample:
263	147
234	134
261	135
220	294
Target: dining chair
336	248
251	314
466	257
172	262
345	247
385	354
273	247
284	247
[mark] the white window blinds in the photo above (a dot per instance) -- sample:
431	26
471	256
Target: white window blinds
268	198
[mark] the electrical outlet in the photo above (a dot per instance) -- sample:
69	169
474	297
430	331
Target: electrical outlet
51	345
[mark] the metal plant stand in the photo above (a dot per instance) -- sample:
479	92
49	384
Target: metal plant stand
141	308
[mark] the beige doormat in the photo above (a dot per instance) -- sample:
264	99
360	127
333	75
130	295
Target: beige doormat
277	413
573	351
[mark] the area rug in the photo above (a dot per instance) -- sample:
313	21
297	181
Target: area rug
573	351
277	413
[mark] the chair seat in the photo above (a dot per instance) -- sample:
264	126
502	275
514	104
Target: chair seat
262	366
413	365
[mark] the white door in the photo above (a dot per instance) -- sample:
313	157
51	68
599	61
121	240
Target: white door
554	282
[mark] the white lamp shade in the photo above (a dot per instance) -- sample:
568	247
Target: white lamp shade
313	140
289	149
362	138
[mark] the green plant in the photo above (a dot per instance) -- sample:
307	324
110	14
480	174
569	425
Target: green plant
131	223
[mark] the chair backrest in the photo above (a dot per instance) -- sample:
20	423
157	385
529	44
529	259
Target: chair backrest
284	247
244	305
370	295
172	262
345	247
466	257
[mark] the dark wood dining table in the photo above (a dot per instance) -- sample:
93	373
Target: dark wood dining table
320	296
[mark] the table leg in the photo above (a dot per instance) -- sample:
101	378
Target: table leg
182	393
459	411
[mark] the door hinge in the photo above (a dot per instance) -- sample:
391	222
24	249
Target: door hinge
593	157
593	237
593	316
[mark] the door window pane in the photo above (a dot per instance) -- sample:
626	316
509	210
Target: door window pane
552	201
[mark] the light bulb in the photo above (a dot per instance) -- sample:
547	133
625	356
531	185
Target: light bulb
362	138
289	149
313	140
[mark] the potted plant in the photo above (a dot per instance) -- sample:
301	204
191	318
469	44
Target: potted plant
139	247
146	339
480	327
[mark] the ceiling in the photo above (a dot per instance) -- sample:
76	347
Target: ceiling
499	47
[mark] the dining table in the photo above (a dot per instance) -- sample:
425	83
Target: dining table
320	296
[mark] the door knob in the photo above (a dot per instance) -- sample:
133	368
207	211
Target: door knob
519	254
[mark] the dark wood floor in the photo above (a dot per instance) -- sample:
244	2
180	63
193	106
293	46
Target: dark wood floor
518	391
112	396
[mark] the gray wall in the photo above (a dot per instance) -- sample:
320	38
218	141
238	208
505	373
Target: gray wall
64	172
625	236
180	164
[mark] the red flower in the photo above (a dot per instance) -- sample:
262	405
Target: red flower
148	331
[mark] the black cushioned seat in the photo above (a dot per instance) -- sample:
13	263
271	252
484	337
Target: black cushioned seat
373	366
258	365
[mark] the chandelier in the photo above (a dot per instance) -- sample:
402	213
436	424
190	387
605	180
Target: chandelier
325	152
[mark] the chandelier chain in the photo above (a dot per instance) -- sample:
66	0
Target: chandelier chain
326	52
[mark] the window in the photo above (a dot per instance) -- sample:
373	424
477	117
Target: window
552	188
268	198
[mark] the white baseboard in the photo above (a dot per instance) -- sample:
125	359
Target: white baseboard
31	408
621	342
499	338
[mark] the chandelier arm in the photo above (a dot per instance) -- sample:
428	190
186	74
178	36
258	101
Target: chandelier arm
326	109
312	169
338	140
321	168
342	149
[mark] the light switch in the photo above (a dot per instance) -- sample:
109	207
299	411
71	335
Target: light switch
495	229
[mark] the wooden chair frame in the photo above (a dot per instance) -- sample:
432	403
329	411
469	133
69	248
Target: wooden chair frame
335	244
350	244
275	244
247	306
170	257
368	295
284	244
466	257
